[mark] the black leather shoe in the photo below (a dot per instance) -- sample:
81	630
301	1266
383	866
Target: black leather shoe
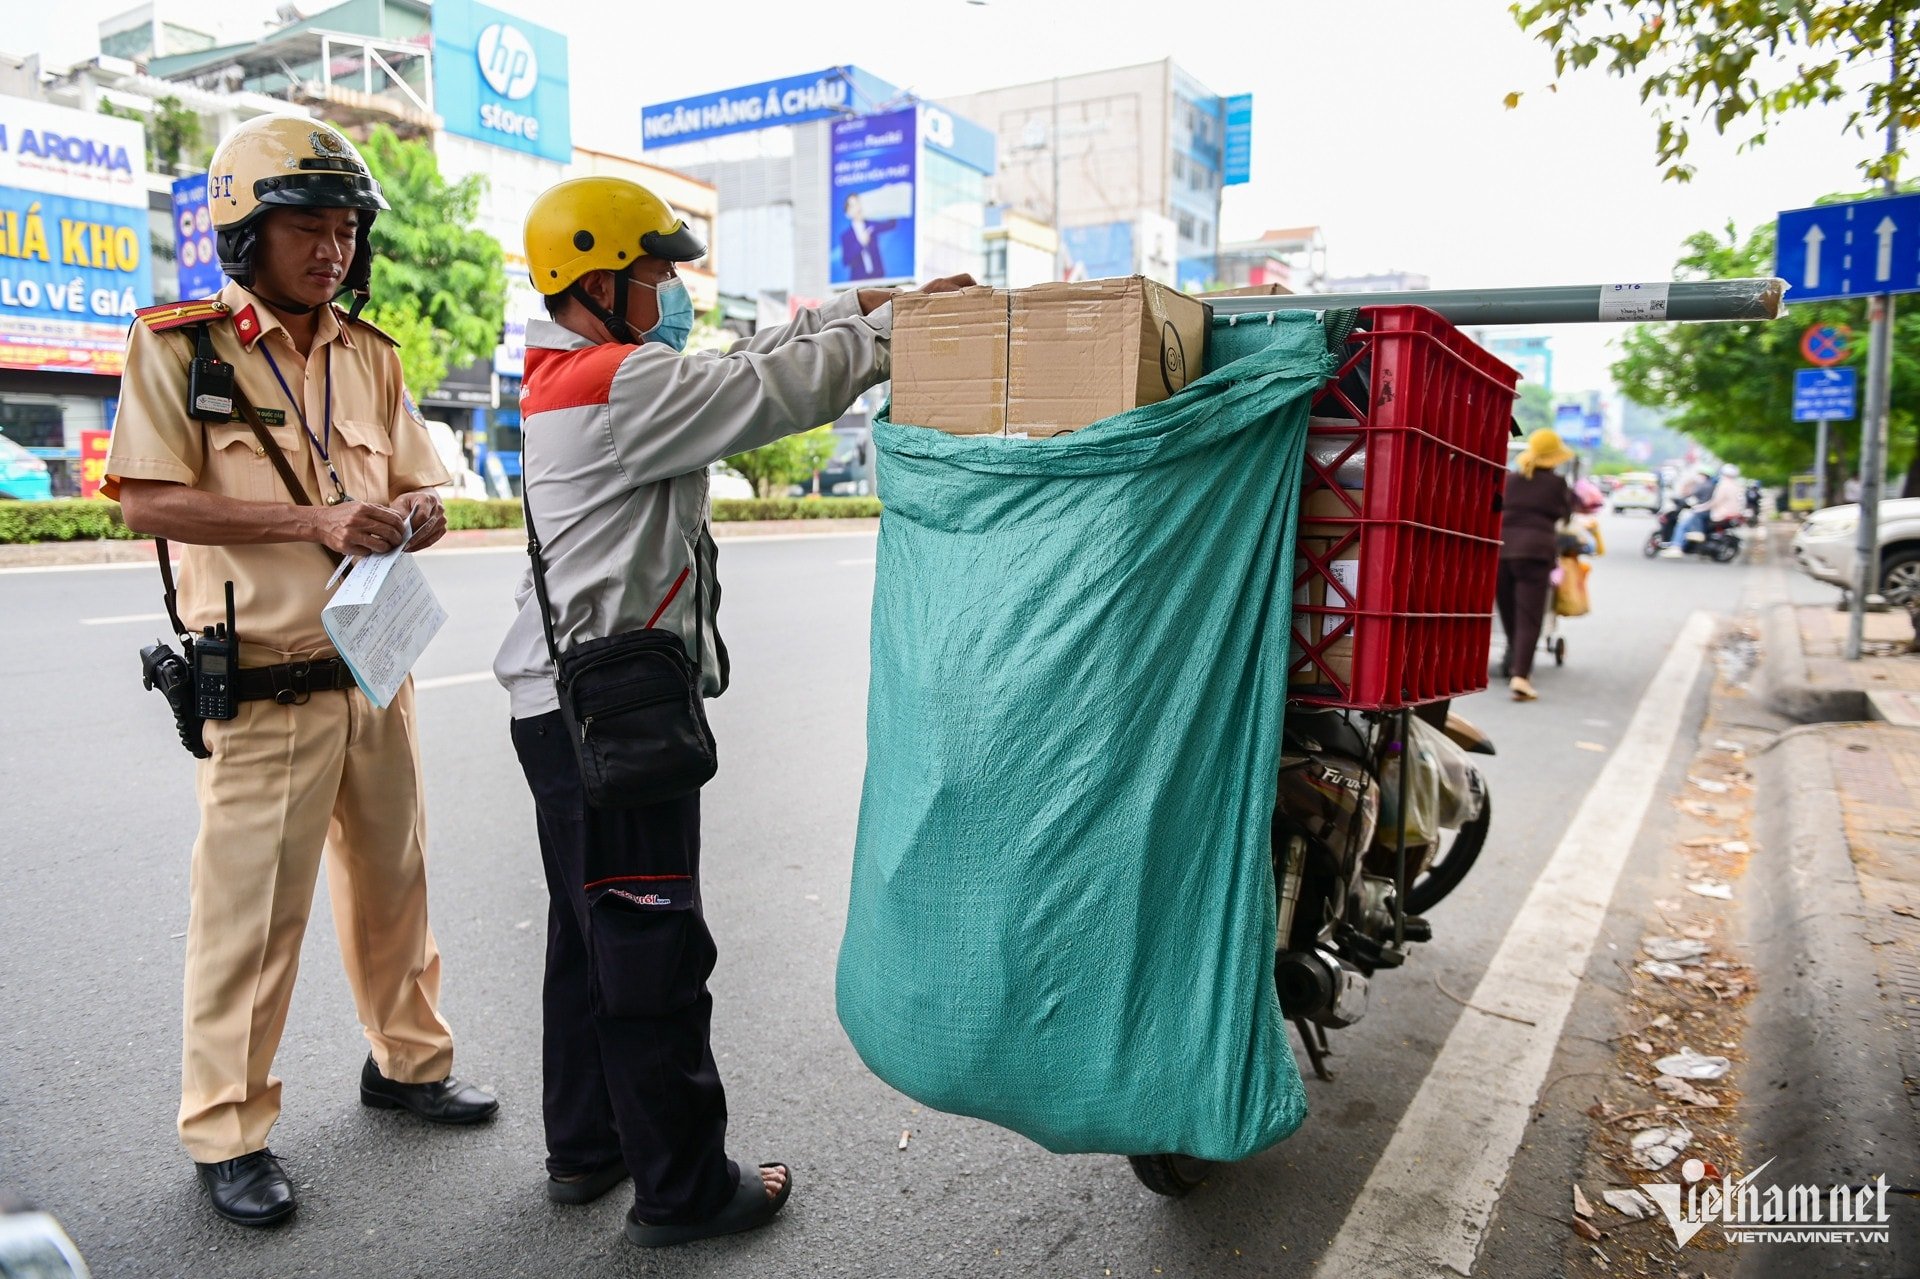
446	1102
252	1190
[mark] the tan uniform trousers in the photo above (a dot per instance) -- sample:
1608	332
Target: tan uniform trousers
284	782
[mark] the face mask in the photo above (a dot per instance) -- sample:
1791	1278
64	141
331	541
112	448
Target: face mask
676	315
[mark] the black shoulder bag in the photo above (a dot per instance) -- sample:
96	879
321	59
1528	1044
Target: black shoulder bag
631	703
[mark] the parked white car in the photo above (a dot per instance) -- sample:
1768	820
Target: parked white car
1824	547
723	482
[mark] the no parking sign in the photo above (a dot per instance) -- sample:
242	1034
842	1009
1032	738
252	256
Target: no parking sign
1826	344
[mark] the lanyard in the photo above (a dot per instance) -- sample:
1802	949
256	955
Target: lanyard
323	449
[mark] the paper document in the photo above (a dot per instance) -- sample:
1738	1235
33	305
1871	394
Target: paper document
381	619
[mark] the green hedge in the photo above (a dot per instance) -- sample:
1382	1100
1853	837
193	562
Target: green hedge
68	520
73	520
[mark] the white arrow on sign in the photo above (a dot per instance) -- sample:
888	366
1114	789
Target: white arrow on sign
1813	238
1883	269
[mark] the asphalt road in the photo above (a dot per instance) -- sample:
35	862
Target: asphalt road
99	817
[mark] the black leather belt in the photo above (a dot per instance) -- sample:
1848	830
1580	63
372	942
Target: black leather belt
291	682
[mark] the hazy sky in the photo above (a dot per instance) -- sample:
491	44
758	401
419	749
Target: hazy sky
1379	120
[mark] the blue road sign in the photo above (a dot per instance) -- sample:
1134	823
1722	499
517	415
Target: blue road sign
1824	394
1851	250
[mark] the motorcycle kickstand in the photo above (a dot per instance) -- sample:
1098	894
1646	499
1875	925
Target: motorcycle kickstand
1315	1039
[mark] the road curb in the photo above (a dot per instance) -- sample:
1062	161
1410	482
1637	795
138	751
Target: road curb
1825	1096
1785	686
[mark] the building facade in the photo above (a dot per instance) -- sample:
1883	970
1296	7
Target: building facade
828	181
1130	163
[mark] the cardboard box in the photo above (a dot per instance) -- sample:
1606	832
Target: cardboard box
950	361
1254	291
1043	361
1315	592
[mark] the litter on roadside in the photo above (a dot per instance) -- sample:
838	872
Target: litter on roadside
1700	841
1710	786
1656	1147
1732	748
1688	1064
1699	809
1736	847
1629	1203
1678	950
1713	889
1581	1206
1682	1091
1661	968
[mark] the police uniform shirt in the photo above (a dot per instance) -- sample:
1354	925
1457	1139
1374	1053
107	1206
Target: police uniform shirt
380	448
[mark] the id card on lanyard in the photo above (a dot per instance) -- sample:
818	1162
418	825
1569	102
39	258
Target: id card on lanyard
323	447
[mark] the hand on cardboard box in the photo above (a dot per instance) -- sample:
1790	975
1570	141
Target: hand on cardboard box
872	300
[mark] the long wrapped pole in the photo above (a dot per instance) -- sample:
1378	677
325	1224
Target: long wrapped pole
1758	299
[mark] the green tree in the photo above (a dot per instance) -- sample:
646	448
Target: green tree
1743	64
174	132
793	460
439	284
1730	386
1534	409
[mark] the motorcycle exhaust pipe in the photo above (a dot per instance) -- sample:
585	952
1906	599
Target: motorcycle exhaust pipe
1320	988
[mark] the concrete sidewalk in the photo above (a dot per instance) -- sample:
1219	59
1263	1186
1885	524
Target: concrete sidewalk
1838	923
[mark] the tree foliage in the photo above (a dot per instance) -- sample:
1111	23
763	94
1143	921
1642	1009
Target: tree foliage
1743	64
432	267
793	460
1730	386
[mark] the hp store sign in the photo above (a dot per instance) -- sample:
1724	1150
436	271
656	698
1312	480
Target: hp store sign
501	80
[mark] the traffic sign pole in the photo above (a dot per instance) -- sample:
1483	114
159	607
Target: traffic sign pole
1820	462
1873	423
1873	469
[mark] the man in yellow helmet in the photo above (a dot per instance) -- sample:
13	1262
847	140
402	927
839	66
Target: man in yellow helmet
269	431
618	432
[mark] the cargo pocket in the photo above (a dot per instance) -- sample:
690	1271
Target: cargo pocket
648	951
366	463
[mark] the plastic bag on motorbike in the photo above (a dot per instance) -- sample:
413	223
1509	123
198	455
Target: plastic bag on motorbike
1062	911
1443	794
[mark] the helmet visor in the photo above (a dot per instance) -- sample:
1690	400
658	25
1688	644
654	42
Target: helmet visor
325	190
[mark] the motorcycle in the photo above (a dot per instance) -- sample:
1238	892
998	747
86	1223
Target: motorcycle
1722	543
1368	801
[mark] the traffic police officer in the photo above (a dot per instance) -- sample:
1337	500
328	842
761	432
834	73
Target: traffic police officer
620	430
307	763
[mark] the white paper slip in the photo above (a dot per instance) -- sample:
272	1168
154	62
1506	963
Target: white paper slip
381	619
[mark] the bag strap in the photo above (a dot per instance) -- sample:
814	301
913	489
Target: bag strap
546	604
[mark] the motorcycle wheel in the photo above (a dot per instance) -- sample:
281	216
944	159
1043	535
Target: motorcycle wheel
1652	548
1174	1176
1451	865
1726	550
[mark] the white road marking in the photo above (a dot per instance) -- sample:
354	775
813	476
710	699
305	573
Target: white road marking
1425	1208
449	681
124	617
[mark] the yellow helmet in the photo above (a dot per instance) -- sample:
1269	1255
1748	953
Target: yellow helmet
287	161
601	224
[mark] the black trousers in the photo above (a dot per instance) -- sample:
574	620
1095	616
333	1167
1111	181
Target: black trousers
628	1063
1521	593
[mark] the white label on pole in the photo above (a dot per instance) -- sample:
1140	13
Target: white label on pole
1633	302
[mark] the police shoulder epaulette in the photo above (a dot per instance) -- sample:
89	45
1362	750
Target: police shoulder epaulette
179	315
365	323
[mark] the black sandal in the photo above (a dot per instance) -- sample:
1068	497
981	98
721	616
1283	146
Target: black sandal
749	1209
586	1187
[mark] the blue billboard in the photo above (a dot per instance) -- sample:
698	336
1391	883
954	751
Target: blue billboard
1237	167
502	80
1100	251
195	250
875	167
817	95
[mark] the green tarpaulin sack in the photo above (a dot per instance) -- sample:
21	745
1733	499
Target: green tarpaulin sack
1062	912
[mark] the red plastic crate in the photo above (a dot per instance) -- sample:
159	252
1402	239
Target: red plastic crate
1394	581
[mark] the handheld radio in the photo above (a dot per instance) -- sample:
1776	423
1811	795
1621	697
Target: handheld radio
216	655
